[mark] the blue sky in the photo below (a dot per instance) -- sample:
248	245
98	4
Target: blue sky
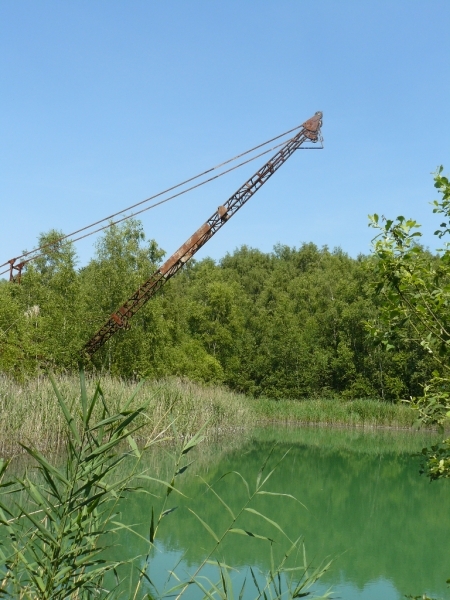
105	103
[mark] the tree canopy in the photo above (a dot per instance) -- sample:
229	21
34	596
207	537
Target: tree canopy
286	324
414	288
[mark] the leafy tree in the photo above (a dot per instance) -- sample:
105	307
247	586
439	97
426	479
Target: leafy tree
284	324
40	315
414	286
123	260
12	332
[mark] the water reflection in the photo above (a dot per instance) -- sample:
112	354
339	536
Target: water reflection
366	506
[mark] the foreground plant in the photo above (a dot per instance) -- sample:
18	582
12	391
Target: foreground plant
414	289
290	575
54	522
57	523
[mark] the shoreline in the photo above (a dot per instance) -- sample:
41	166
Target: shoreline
31	413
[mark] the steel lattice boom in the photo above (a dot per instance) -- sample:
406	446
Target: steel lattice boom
310	131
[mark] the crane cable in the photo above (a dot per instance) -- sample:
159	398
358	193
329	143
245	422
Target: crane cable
143	209
69	235
151	197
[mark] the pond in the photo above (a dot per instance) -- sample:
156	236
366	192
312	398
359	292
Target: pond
361	502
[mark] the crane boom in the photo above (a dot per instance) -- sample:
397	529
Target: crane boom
310	131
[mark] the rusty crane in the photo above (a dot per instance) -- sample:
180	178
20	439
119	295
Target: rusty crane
310	131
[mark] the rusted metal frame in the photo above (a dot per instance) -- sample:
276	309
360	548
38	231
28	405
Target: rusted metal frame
246	191
119	319
13	267
239	198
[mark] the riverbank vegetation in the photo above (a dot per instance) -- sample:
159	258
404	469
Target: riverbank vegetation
303	335
31	413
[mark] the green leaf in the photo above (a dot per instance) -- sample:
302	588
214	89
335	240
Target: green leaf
264	493
46	534
45	464
120	526
168	511
183	469
84	399
133	446
151	535
205	525
263	466
97	394
66	413
133	396
255	512
40	583
247	487
3	467
211	489
192	443
241	593
168	485
239	531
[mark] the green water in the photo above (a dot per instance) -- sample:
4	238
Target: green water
386	528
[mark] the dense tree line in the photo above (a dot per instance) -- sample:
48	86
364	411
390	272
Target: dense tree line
290	323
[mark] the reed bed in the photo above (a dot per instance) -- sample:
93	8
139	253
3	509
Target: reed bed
30	413
335	412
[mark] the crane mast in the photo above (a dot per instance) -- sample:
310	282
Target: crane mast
310	131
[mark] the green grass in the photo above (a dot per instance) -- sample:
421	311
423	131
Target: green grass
351	413
30	412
